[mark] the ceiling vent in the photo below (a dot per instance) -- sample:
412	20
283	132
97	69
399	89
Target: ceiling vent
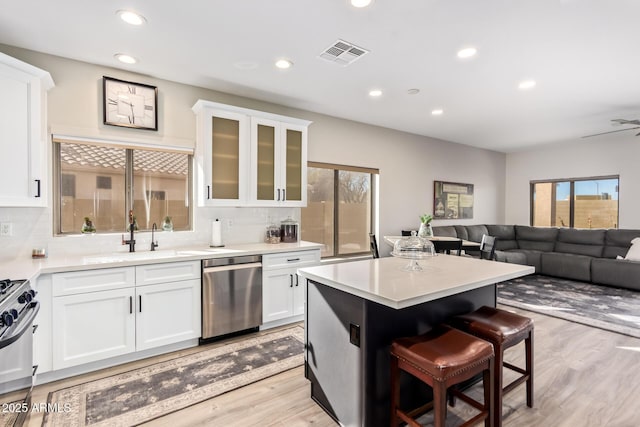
343	53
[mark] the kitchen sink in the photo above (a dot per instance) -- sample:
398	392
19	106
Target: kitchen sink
130	256
149	255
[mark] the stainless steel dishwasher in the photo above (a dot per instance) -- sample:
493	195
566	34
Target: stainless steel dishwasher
231	295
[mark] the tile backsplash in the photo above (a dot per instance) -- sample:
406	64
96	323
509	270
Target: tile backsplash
32	228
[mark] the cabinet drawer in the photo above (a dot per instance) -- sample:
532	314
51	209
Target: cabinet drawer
79	282
168	272
290	259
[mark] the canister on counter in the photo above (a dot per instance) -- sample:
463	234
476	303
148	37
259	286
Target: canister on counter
273	234
289	231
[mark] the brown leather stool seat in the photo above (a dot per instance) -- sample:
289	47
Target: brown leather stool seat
441	358
503	329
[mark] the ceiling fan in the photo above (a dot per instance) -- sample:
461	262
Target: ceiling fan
619	122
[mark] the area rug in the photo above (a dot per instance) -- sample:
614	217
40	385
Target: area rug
613	309
150	392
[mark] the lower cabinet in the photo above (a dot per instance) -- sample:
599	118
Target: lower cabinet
92	326
278	294
282	290
167	313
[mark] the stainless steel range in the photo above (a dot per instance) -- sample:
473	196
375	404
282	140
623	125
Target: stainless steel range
18	309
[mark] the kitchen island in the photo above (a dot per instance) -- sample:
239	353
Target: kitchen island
355	309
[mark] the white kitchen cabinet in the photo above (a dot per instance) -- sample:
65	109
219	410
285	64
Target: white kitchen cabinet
167	303
167	313
98	314
222	155
282	290
23	167
278	163
249	158
93	326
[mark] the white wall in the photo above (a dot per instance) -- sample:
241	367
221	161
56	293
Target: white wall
408	166
408	163
615	154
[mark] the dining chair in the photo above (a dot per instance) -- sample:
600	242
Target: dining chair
373	245
447	246
488	247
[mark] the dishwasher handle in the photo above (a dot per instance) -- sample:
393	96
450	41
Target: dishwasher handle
231	267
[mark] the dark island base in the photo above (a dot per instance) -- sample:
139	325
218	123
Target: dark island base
347	355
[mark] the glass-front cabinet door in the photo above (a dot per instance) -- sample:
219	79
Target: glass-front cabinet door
222	159
294	167
265	135
278	163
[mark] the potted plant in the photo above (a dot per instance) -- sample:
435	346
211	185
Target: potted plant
87	226
425	226
167	225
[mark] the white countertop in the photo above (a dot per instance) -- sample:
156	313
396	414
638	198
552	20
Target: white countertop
28	268
384	281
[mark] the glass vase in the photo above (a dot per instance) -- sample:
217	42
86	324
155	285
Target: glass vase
425	231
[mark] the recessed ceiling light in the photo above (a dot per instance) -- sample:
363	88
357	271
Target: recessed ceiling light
467	52
131	17
283	64
437	112
375	93
127	59
413	91
527	84
361	3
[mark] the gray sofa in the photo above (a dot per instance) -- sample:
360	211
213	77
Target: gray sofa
586	255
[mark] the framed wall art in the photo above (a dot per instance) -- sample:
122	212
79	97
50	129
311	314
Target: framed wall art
452	200
128	104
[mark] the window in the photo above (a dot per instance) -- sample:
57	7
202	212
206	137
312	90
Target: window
575	203
340	205
103	182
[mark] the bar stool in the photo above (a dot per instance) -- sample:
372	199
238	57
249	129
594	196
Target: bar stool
503	329
441	358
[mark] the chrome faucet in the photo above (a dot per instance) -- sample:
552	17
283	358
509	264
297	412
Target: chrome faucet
154	244
131	242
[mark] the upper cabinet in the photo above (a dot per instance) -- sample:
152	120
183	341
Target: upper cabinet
23	123
249	158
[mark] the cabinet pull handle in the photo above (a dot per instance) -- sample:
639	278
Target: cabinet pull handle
278	194
130	305
208	191
291	280
293	259
284	195
297	278
140	303
38	191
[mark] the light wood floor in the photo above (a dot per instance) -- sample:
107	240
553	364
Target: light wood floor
583	377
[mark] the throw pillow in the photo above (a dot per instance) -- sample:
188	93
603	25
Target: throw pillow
634	250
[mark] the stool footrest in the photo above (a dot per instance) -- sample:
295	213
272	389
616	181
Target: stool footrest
515	384
415	413
514	368
460	395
